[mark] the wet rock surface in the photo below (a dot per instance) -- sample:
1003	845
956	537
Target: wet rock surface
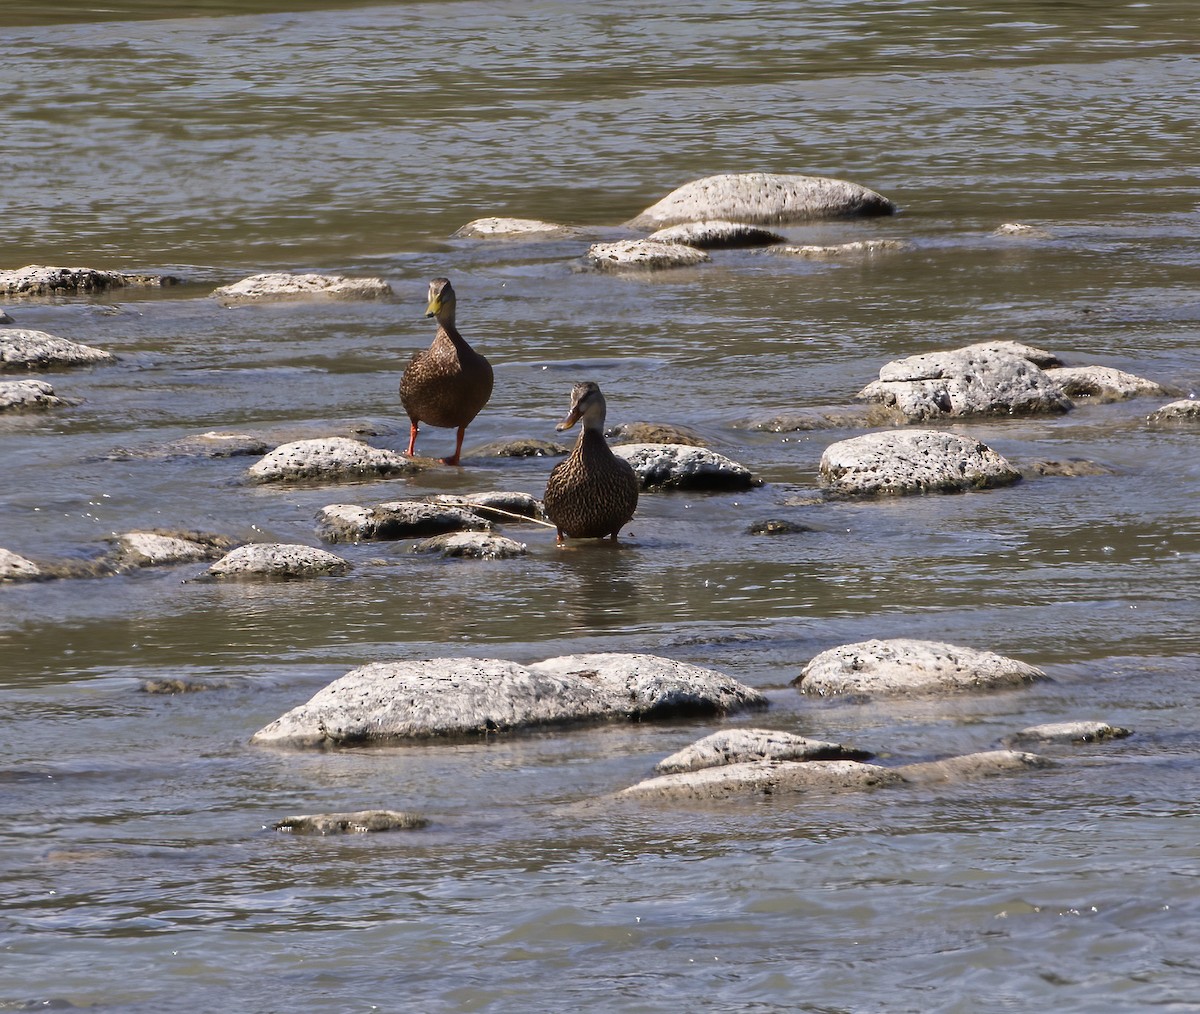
1067	733
158	549
40	280
25	349
655	433
328	459
736	746
860	248
472	546
764	778
970	766
14	567
397	519
680	466
26	395
715	234
521	447
1186	411
357	822
513	228
643	255
1104	384
277	560
285	286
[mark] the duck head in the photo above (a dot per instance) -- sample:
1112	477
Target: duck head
587	403
441	301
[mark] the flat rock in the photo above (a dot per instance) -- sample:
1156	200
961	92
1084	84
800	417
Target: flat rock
1103	383
655	433
763	778
1185	411
496	505
905	666
858	249
328	459
472	546
430	698
965	382
277	560
284	285
513	228
970	766
834	417
715	234
17	568
23	395
1020	230
156	549
396	519
358	822
904	462
736	746
1068	732
521	447
39	280
764	199
643	254
681	466
23	349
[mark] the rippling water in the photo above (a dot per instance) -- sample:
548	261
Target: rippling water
138	870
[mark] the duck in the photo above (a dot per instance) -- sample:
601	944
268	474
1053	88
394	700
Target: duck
592	493
448	383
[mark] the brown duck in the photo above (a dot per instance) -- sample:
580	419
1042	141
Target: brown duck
448	383
591	493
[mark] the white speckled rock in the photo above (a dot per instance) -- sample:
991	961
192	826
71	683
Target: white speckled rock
972	765
358	822
643	254
715	234
472	546
763	198
1020	230
903	462
329	459
739	746
151	549
40	280
763	778
23	349
17	568
1103	383
859	248
513	228
1186	411
397	519
283	286
466	696
1069	732
272	559
907	666
21	395
683	466
1005	347
965	382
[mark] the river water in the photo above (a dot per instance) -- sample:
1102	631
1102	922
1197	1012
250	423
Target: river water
138	870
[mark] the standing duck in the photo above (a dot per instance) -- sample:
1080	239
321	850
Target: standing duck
448	383
591	493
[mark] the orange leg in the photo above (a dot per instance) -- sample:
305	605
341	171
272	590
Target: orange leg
412	439
462	430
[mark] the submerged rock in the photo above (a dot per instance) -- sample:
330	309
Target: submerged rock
777	526
277	560
472	546
23	349
905	666
1103	383
328	459
170	687
464	696
904	462
283	285
358	822
736	746
655	433
156	549
397	519
39	280
680	466
1186	411
1069	467
1068	732
974	765
859	248
714	234
763	198
765	778
513	228
511	507
22	395
1021	230
522	447
837	417
643	254
17	568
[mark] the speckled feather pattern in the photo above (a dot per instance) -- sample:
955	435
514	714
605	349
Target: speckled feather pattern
591	493
446	384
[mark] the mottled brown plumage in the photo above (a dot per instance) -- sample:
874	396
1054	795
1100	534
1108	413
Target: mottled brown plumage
448	383
591	493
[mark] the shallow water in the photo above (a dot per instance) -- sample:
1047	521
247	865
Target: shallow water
138	869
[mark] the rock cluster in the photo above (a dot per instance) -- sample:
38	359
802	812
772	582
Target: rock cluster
39	280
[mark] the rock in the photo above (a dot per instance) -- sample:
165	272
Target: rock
715	234
764	778
965	382
464	696
843	251
829	418
643	254
183	686
22	349
17	568
38	280
763	198
1021	230
271	559
736	746
20	395
513	228
359	822
904	462
496	505
1069	467
777	526
1002	346
397	519
215	445
1103	383
472	546
1186	411
156	549
283	285
904	666
655	433
5	318
679	466
522	448
328	459
974	765
1068	732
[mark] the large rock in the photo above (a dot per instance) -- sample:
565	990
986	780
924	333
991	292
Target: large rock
21	395
902	462
17	568
277	560
1068	732
397	519
23	349
739	746
643	254
1186	411
904	666
472	546
285	286
328	459
680	466
39	280
513	228
965	382
763	198
464	696
1104	384
766	778
715	234
357	822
